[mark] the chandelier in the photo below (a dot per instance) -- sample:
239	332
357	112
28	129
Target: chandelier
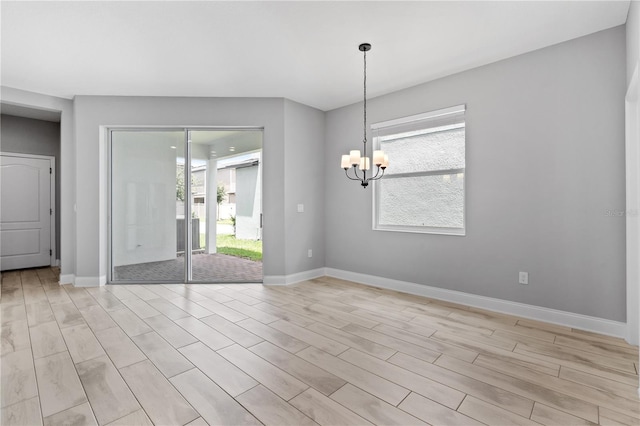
354	161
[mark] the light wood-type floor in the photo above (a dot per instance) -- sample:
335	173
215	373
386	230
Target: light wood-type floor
325	352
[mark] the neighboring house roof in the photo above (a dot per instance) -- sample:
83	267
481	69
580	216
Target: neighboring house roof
241	164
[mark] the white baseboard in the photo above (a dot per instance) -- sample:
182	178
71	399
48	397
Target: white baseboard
274	280
67	279
632	337
90	281
293	278
568	319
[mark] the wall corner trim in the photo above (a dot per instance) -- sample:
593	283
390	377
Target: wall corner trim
293	278
90	281
569	319
67	279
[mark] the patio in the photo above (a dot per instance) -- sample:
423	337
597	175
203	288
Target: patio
210	268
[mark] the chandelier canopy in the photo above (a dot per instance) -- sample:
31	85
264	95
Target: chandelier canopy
354	160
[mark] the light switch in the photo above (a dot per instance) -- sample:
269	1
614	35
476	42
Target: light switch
300	208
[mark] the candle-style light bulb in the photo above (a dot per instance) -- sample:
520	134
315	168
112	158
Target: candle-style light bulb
378	157
364	163
355	157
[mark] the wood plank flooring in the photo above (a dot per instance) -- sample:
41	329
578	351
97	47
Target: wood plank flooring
322	352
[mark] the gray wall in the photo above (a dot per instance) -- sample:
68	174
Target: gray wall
29	136
545	162
91	112
633	38
304	184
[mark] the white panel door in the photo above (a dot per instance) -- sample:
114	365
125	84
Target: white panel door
25	215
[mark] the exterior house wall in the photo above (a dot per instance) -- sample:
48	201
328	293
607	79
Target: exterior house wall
248	203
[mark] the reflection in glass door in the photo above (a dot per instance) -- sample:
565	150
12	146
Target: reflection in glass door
147	190
186	206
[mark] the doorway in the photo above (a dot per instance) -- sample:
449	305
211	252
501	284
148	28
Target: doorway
174	214
27	215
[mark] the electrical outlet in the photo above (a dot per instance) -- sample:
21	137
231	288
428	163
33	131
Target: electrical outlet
523	278
310	253
300	208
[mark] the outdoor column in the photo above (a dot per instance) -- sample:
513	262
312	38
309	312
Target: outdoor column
211	204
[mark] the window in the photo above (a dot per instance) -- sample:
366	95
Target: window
423	188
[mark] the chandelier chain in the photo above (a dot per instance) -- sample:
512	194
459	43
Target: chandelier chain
365	100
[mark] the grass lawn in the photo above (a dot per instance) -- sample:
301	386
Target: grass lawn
248	249
228	244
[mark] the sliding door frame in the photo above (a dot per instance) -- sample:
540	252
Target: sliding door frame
187	278
188	220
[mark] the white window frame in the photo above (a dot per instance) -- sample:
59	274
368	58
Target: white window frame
433	115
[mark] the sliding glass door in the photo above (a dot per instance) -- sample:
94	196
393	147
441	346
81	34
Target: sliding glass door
185	204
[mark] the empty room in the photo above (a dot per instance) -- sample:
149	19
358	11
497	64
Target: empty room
319	212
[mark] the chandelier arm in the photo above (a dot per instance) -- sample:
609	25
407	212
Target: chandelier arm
378	177
355	173
346	172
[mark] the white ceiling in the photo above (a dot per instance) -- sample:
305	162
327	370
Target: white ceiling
301	50
224	143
